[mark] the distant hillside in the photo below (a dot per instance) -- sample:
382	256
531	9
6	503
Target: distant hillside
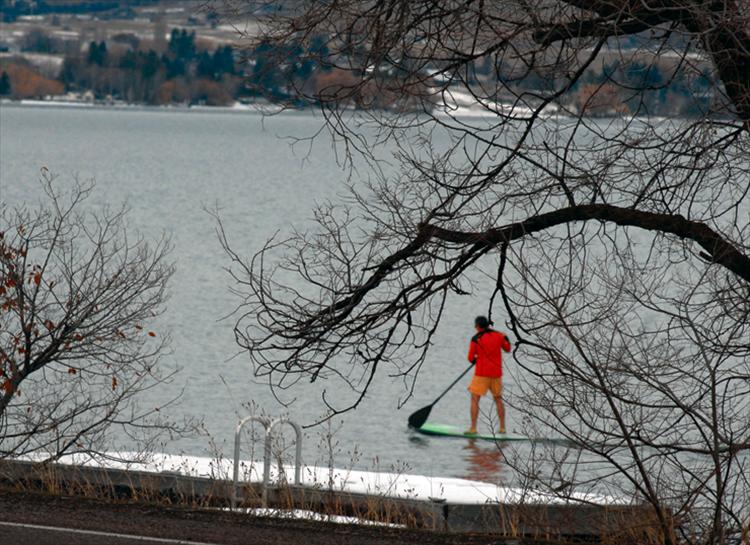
12	9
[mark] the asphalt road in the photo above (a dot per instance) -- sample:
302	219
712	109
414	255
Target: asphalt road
26	534
37	519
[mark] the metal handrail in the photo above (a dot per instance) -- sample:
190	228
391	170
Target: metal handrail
298	447
236	472
266	454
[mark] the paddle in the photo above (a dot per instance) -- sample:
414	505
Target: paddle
420	417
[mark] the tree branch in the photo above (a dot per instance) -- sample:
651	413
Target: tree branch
720	250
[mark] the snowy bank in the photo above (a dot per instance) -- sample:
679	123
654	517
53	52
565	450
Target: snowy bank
381	484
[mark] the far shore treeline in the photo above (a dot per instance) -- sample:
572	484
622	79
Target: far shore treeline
188	70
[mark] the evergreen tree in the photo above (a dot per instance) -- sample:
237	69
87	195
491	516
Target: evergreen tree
97	53
174	39
103	53
182	44
93	52
129	60
4	84
319	51
71	70
264	77
224	60
150	65
206	66
175	67
642	76
304	63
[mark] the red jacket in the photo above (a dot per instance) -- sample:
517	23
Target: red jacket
485	350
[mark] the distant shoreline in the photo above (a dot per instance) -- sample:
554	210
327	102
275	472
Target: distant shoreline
268	108
102	105
261	107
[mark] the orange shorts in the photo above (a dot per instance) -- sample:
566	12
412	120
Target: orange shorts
480	385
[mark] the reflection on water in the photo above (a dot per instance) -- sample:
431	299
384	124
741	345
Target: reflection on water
418	441
484	462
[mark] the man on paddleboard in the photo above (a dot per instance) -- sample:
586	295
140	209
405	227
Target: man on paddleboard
486	353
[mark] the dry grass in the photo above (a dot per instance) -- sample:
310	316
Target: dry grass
167	490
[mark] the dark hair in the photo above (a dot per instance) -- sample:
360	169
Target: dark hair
482	321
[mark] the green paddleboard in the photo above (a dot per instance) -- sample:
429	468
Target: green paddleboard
446	430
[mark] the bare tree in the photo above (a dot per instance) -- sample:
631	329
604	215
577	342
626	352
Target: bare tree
76	296
618	240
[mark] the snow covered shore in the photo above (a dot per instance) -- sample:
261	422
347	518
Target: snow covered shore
382	484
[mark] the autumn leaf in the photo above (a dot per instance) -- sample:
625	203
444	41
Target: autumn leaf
151	334
71	371
7	387
114	383
78	337
138	327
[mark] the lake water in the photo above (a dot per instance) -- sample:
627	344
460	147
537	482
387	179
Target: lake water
168	165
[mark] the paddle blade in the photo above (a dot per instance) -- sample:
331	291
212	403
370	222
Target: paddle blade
419	417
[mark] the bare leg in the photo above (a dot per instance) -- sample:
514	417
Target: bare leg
500	412
474	413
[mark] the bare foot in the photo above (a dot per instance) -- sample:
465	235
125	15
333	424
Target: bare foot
471	431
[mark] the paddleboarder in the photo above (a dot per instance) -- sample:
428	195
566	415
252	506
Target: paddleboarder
486	353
